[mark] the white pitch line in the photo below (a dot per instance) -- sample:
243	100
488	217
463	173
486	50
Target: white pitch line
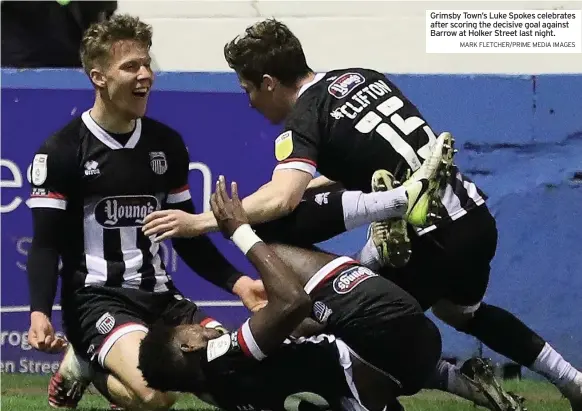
26	308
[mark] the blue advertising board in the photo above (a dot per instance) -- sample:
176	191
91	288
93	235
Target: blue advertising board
520	139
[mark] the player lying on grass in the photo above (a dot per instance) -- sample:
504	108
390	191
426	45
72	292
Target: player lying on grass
383	346
314	221
324	214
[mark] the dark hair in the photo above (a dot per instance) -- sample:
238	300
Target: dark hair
267	47
99	37
162	363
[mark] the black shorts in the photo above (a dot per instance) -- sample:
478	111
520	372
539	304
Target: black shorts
94	318
379	321
450	263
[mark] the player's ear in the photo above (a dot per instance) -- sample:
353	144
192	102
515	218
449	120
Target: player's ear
268	83
97	78
185	347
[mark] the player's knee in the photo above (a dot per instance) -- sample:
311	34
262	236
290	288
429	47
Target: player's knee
157	401
456	316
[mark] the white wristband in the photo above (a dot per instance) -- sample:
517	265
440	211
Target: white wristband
244	237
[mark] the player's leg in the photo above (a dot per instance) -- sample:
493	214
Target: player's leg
106	326
67	385
472	244
119	387
75	373
390	237
325	214
428	284
121	360
329	211
504	333
412	201
114	390
475	381
318	217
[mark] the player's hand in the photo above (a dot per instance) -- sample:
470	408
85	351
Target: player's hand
166	224
251	292
41	334
229	212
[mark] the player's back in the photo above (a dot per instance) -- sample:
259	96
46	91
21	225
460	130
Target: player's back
106	184
305	370
349	123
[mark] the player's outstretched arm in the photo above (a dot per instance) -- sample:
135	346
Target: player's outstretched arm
273	200
288	303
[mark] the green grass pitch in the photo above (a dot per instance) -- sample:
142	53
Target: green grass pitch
21	392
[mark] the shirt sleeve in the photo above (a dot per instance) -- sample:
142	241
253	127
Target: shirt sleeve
53	177
178	173
53	180
43	257
294	150
247	343
299	145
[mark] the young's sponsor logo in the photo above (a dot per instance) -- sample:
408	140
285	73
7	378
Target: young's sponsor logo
348	280
344	84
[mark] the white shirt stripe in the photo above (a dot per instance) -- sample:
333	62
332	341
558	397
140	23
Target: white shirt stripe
47	202
325	271
249	340
297	165
183	195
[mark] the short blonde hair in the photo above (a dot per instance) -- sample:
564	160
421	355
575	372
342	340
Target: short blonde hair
99	37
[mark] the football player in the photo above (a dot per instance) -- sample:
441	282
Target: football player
383	345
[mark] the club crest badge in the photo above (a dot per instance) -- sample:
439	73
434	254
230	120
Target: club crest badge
105	323
158	162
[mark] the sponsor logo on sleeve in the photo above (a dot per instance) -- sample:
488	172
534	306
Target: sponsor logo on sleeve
284	145
39	169
217	347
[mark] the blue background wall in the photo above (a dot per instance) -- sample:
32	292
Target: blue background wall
520	139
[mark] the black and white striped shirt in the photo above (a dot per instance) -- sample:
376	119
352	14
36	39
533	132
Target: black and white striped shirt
348	123
106	188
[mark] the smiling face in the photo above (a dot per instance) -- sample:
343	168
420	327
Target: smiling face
116	56
127	78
